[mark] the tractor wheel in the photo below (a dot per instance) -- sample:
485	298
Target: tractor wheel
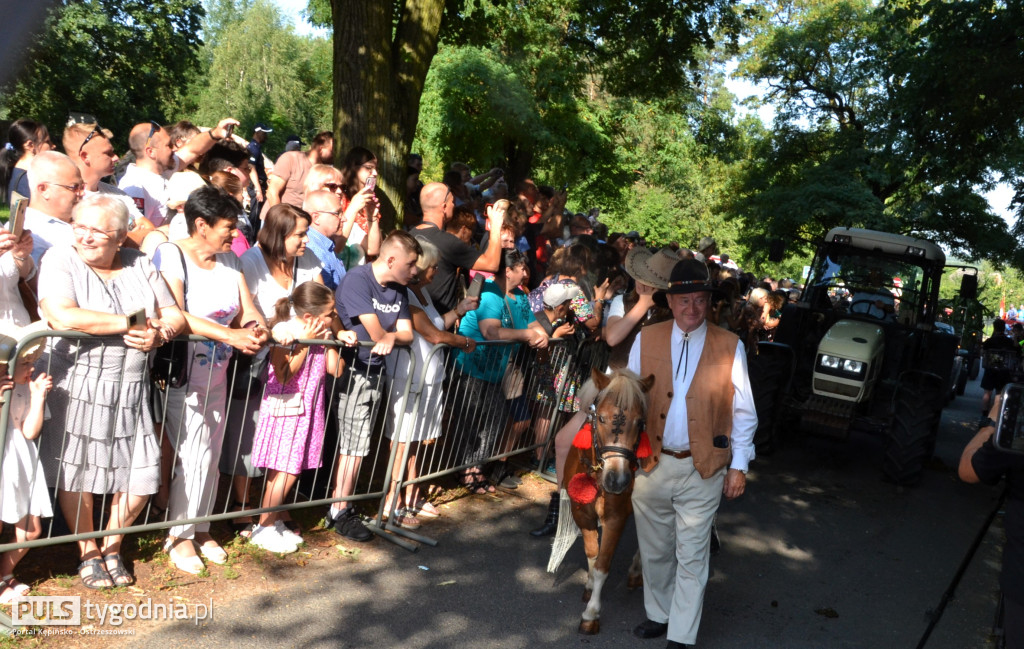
961	380
910	439
770	370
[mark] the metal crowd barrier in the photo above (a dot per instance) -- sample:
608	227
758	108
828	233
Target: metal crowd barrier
472	412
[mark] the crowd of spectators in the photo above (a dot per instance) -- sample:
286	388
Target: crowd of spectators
202	233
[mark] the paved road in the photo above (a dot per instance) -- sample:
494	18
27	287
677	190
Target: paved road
820	553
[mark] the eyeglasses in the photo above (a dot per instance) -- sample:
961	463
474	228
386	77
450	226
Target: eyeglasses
336	213
333	187
74	189
93	133
153	128
82	230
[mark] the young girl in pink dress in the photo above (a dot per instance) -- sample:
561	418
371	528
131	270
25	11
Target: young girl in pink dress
290	434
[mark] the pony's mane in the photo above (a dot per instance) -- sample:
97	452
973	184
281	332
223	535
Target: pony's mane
625	388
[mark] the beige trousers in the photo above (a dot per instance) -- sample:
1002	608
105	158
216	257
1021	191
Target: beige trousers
674	510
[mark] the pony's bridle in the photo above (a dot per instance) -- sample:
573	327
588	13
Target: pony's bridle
601	453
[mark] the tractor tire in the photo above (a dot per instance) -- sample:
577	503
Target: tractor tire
910	439
961	381
770	371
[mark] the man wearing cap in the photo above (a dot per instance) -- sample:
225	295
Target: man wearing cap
701	422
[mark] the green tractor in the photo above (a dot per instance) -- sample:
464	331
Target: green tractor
867	351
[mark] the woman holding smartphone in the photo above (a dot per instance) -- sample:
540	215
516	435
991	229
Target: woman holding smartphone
206	280
360	225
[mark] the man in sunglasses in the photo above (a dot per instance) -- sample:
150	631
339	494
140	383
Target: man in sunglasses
89	147
146	179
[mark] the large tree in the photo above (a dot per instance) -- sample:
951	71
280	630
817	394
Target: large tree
893	116
122	60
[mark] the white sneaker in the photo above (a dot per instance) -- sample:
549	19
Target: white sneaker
269	539
283	530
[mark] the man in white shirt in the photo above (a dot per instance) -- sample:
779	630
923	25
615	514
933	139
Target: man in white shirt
146	179
56	187
701	422
89	147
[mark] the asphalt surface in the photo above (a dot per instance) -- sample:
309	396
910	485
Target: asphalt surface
819	553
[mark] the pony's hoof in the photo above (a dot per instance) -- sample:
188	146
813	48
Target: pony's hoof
590	627
632	583
586	595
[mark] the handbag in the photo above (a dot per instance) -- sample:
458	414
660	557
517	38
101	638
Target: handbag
171	360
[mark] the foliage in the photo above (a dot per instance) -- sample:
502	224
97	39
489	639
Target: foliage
261	71
121	60
872	128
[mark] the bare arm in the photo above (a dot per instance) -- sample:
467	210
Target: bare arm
491	329
491	257
424	326
275	186
618	327
203	142
386	340
63	313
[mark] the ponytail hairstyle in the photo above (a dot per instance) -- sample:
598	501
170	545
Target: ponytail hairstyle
19	135
307	298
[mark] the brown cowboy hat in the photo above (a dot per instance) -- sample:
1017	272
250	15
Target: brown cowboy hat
650	268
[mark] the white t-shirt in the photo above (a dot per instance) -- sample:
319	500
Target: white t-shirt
210	294
616	308
148	190
134	214
264	288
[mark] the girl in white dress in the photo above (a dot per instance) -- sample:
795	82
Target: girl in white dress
23	495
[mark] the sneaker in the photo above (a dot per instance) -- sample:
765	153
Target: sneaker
283	530
404	518
269	539
348	525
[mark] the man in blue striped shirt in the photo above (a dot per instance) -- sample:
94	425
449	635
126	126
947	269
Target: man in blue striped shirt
324	209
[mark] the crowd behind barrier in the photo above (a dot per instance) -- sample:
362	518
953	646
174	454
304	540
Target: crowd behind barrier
468	435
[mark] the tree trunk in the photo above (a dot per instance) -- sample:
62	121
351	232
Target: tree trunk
378	81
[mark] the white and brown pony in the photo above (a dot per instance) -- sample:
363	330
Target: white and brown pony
598	475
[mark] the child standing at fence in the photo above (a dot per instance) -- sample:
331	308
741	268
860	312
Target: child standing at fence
23	495
290	434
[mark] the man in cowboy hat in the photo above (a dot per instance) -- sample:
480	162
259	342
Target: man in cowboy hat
701	443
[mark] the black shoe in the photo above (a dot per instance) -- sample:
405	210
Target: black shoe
672	644
350	526
649	629
550	525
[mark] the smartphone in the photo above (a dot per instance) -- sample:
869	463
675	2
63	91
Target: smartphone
16	223
476	286
371	181
136	318
229	131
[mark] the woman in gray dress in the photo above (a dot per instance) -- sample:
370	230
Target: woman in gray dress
100	437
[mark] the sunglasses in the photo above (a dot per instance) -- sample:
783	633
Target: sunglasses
93	133
153	128
332	187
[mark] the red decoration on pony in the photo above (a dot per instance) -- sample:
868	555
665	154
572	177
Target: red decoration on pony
643	448
585	438
582	489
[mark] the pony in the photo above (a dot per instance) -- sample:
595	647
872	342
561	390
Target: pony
598	475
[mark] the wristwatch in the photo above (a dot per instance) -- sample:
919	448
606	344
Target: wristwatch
986	422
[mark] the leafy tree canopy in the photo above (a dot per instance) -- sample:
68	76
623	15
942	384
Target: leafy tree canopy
122	60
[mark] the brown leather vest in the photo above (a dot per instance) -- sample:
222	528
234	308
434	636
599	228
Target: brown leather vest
708	401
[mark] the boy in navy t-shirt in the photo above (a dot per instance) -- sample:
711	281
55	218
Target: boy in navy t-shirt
372	301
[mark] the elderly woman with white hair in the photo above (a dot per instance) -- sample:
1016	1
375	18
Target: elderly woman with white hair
100	437
429	328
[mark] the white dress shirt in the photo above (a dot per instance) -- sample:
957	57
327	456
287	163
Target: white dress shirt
684	366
